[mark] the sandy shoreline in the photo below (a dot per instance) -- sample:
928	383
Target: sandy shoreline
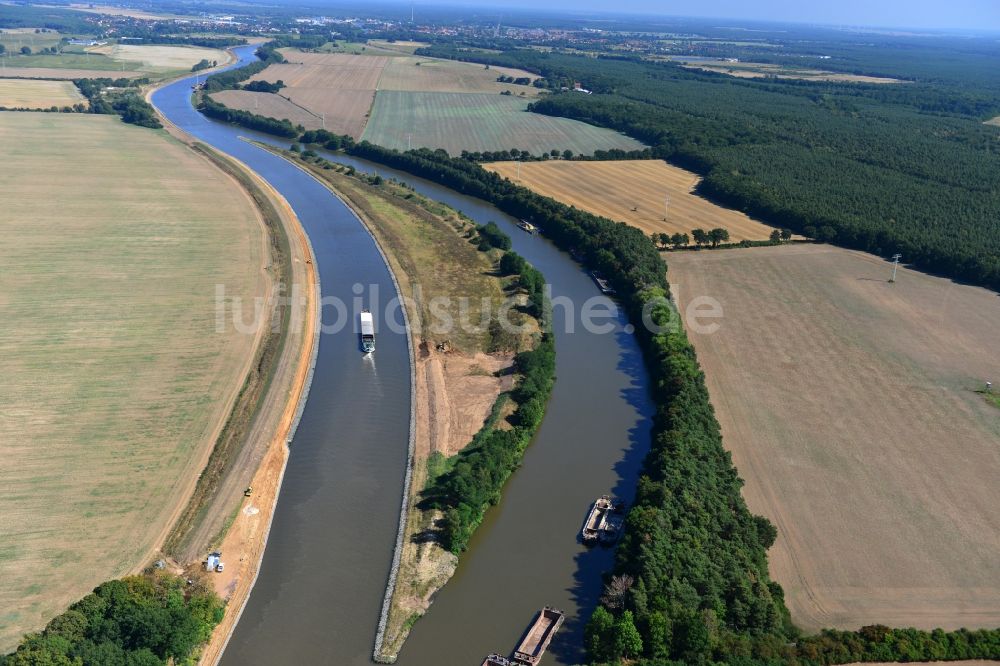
245	541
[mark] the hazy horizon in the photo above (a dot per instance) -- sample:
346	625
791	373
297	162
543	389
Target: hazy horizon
982	15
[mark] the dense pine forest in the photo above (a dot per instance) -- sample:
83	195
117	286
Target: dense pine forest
906	167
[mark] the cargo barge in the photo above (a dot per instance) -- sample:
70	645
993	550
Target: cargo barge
604	522
539	635
367	332
535	641
496	660
602	283
527	226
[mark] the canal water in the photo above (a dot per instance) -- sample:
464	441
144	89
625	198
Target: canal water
326	564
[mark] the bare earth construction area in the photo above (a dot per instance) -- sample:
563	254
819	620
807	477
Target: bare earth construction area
850	409
634	192
115	381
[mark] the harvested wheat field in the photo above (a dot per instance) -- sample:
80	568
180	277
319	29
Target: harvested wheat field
116	379
160	59
416	74
270	105
339	86
849	406
33	94
614	189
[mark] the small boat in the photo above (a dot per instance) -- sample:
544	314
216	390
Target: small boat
527	226
496	660
602	283
593	527
529	652
367	332
614	520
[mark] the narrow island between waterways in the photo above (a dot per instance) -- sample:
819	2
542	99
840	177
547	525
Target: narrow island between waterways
479	385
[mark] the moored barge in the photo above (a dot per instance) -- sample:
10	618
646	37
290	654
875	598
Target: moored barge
604	522
539	635
602	283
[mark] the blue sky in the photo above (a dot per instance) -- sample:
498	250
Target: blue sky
942	14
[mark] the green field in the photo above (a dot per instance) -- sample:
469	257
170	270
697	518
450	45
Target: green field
70	60
115	377
480	122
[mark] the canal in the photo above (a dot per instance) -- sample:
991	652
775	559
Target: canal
318	595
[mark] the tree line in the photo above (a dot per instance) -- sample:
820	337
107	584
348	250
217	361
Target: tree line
691	570
881	168
119	96
230	79
150	620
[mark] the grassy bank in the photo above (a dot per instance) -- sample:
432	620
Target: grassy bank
257	382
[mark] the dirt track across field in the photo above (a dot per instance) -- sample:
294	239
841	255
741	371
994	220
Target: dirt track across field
850	409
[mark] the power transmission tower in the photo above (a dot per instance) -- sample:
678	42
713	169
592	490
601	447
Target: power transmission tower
895	265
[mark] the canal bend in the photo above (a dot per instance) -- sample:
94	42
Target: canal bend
318	595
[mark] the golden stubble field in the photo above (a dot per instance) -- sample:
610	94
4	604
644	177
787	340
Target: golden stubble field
849	407
36	94
113	378
634	192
